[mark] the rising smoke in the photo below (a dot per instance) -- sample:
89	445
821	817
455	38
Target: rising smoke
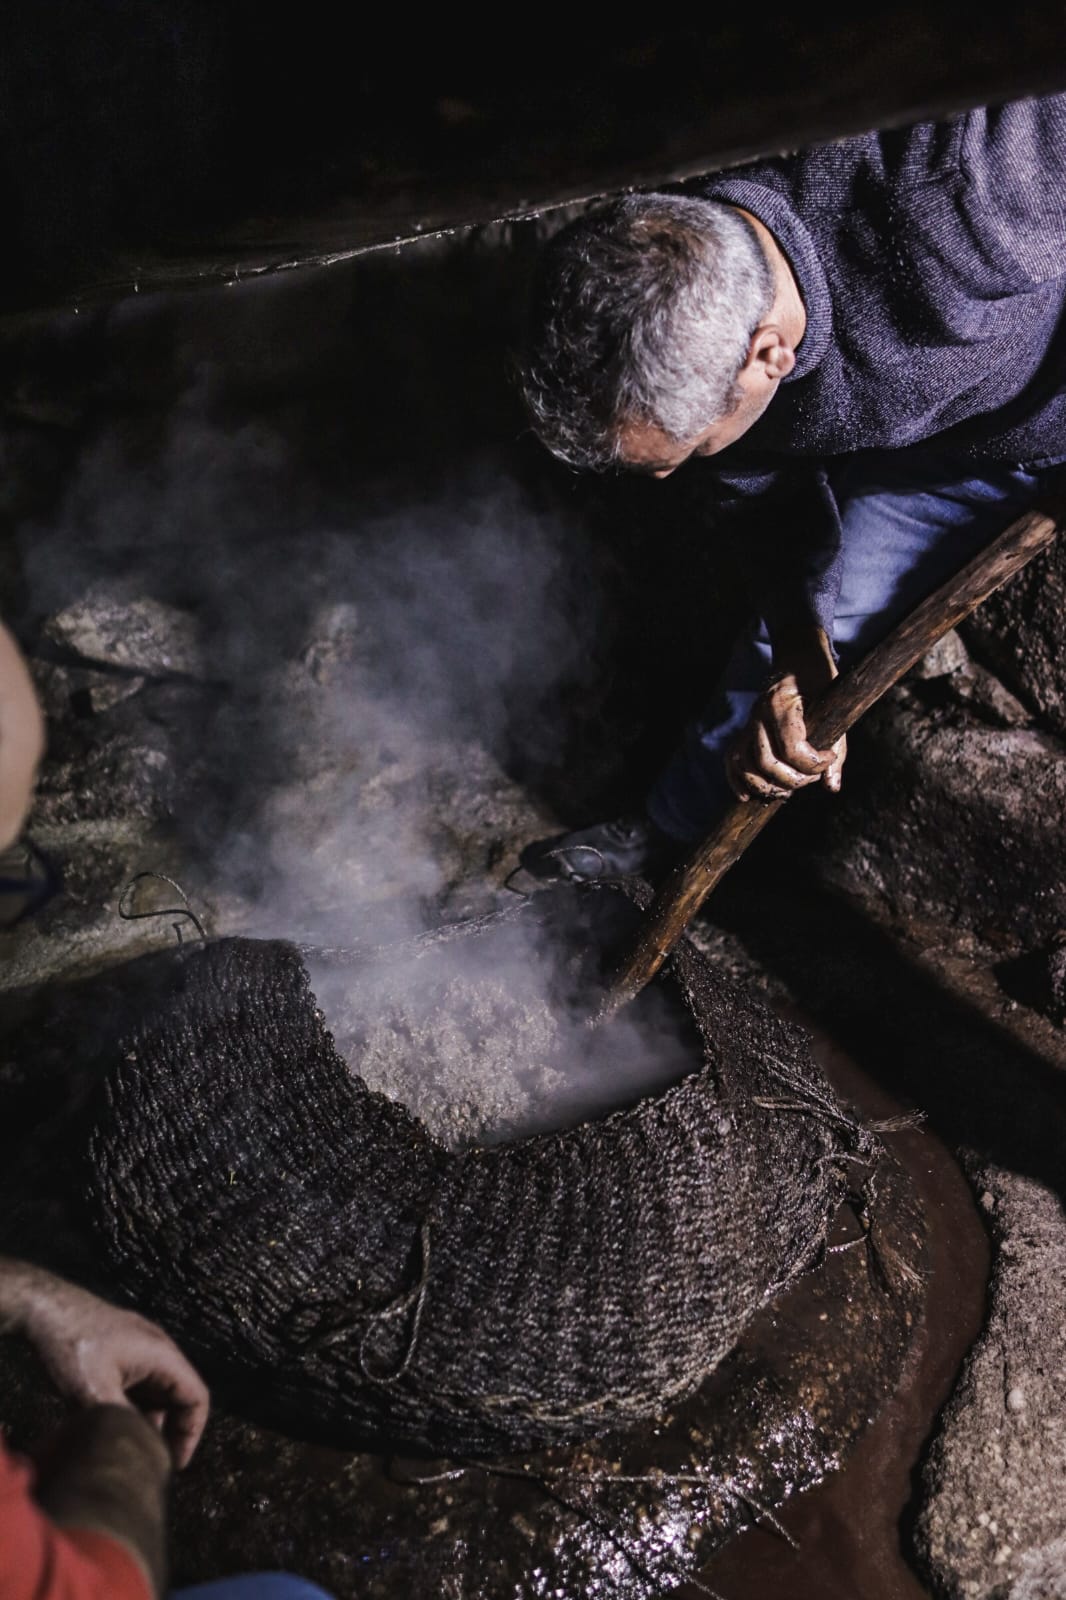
375	658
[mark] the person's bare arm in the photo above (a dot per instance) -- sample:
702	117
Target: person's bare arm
106	1471
21	739
98	1354
772	756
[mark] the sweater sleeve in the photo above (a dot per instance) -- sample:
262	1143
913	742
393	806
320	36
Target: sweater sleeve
782	529
39	1561
1013	158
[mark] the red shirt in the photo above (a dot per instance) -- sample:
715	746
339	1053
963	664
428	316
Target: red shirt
39	1561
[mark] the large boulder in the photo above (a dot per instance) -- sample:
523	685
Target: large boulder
993	1526
1019	632
953	811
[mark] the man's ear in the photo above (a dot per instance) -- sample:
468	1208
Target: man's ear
770	355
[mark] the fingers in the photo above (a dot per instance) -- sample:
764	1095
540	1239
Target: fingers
184	1429
137	1364
744	777
786	727
765	772
98	1353
773	757
175	1402
834	773
173	1394
189	1404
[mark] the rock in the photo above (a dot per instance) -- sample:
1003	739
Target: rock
944	816
1019	633
993	1524
1042	1574
81	691
132	774
103	692
333	642
136	634
80	928
948	655
971	684
1056	983
991	699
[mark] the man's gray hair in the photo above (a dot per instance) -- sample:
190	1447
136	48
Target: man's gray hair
642	311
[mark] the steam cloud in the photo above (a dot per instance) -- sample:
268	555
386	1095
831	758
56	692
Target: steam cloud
368	672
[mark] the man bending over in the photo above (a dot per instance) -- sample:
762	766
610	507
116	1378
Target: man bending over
856	354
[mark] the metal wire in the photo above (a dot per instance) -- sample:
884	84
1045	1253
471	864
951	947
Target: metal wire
127	914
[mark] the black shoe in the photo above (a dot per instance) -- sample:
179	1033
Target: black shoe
607	850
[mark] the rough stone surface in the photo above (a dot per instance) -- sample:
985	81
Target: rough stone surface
136	633
77	691
1042	1574
1018	631
993	1526
947	813
355	829
948	655
971	683
1056	982
322	829
953	813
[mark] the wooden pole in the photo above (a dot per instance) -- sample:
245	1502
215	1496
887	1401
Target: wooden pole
837	710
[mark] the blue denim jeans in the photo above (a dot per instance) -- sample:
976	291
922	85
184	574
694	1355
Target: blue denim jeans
253	1586
908	523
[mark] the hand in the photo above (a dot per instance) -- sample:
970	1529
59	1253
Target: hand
771	757
105	1469
21	739
98	1354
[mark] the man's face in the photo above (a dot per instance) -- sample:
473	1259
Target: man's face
646	448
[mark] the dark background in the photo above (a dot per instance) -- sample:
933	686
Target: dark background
181	141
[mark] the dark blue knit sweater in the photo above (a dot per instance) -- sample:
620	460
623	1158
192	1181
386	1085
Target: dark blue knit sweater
932	263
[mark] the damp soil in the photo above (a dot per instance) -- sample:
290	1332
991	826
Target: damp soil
851	1532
